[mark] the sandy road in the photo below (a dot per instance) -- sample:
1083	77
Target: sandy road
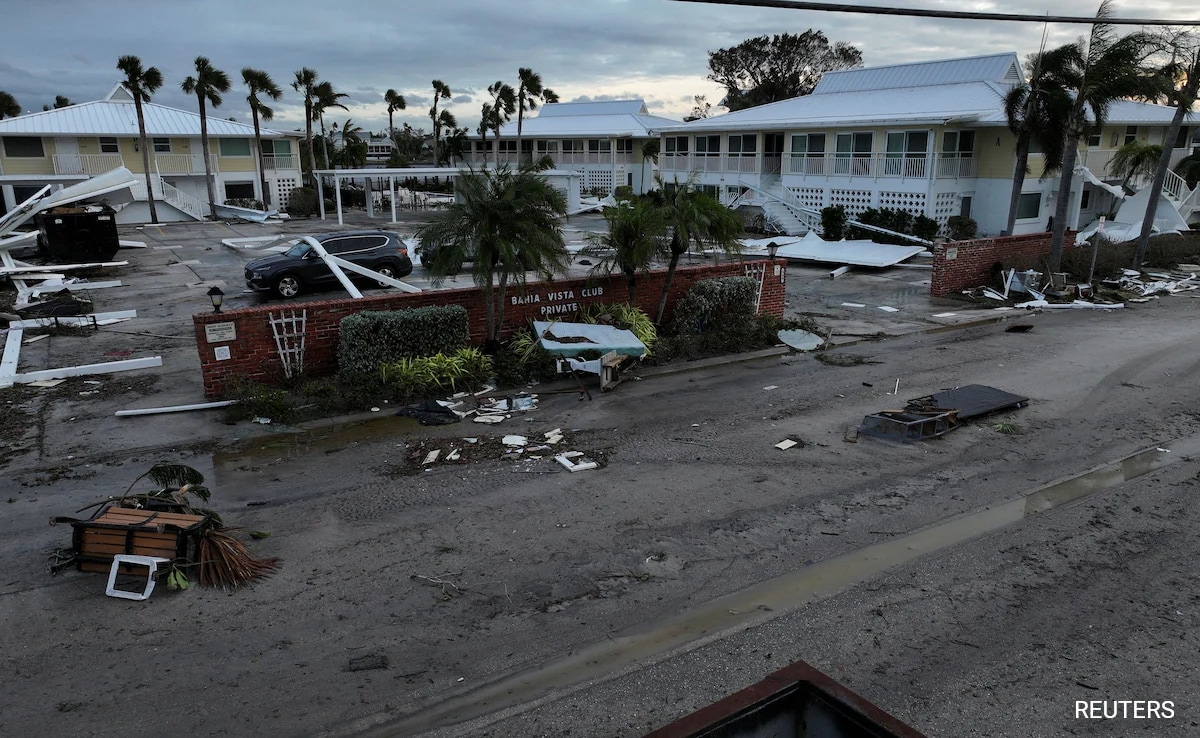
693	503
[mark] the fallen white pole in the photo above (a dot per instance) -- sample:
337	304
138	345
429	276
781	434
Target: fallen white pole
329	262
12	352
73	320
372	274
78	371
175	408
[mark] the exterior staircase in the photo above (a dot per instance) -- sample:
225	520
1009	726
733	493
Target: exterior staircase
782	217
1175	188
190	206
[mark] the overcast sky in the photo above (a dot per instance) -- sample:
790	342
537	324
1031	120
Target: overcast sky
584	49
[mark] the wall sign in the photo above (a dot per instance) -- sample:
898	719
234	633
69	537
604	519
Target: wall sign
557	302
220	332
221	353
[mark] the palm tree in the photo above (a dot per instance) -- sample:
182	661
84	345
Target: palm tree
695	217
1178	81
441	91
510	221
395	101
207	85
141	84
324	98
9	108
485	117
447	122
354	151
650	152
305	83
1189	168
529	93
504	103
260	83
455	142
1036	113
1134	160
1101	70
637	233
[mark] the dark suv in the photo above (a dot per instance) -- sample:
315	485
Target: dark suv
300	268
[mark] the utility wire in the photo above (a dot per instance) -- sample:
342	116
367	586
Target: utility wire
957	14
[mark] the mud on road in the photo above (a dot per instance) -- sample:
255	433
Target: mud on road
470	572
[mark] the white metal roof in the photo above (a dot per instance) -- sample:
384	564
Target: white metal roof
608	107
1000	68
577	126
116	115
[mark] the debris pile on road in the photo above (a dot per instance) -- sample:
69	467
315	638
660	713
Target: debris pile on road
423	456
1053	293
935	415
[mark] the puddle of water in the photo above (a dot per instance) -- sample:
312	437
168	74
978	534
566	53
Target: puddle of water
780	595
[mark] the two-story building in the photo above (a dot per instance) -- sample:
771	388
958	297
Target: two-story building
930	138
604	141
67	145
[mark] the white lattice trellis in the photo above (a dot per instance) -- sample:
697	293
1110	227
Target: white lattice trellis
945	204
757	272
288	330
854	201
598	178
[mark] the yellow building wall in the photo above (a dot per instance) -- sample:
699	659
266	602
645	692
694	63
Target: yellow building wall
22	165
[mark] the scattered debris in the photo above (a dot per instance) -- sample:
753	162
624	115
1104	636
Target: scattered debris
1007	428
770	387
515	441
785	444
937	414
172	408
903	426
569	461
889	309
844	359
431	457
800	340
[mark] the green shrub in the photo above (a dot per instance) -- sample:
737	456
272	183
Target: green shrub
258	400
961	228
833	222
302	203
893	219
623	192
372	338
420	376
522	360
925	227
716	304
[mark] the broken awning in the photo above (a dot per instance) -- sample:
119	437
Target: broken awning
573	339
855	253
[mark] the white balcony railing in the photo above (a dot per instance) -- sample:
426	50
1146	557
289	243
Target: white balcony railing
957	165
182	164
89	164
279	161
740	163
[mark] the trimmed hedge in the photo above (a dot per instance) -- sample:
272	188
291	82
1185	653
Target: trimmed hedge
371	339
715	304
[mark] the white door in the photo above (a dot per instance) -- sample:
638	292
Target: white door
66	156
197	150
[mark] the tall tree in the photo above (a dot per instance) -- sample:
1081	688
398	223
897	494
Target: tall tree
259	83
770	68
636	234
695	218
504	104
1178	81
446	122
530	92
1036	113
324	98
141	84
353	153
650	151
509	221
701	110
305	83
485	125
9	108
207	85
1134	160
441	91
1103	69
454	142
60	101
395	102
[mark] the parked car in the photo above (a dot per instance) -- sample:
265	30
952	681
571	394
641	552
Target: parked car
428	256
300	269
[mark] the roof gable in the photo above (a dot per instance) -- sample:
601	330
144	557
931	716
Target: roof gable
999	68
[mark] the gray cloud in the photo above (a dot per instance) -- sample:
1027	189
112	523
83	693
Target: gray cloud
596	50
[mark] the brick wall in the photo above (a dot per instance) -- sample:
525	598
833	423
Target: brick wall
961	265
246	333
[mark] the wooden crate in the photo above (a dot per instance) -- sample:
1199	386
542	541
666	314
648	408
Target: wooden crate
122	530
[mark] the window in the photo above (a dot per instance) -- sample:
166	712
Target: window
1085	200
23	147
570	144
1029	206
280	147
906	153
854	153
599	145
677	144
808	144
1093	141
1181	141
958	142
547	147
109	146
239	191
162	145
526	146
624	145
231	146
745	144
1130	134
708	145
509	146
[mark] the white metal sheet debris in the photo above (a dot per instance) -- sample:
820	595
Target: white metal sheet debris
853	305
853	253
173	408
785	444
889	309
800	340
515	440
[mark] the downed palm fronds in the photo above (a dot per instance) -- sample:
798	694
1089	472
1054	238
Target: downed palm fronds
1007	428
226	563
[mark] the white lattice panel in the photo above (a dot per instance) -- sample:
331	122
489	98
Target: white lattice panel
598	178
283	192
854	201
809	197
945	205
912	202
